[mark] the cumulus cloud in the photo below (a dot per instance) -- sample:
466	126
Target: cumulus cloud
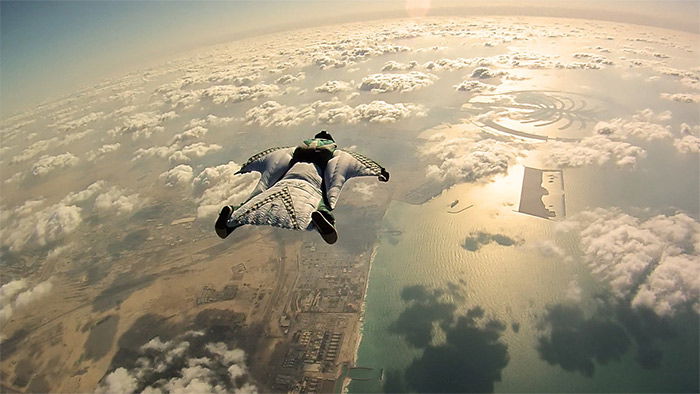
485	73
34	149
690	139
217	186
333	87
597	149
396	66
47	164
364	190
198	149
80	122
185	364
193	133
28	224
383	112
143	124
466	157
17	294
645	125
383	83
102	151
114	200
289	78
648	262
549	248
474	86
272	113
688	98
210	120
182	174
223	94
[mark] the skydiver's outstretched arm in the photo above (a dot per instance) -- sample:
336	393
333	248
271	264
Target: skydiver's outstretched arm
345	165
271	163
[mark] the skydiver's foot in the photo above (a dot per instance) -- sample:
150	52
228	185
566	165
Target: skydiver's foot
324	227
222	230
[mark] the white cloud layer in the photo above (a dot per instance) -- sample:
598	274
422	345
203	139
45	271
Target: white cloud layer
467	157
47	164
217	186
185	364
383	83
16	295
648	262
594	150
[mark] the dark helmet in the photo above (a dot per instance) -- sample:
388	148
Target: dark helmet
324	134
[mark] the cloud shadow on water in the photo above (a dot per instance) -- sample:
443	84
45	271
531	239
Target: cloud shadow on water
579	343
476	240
469	360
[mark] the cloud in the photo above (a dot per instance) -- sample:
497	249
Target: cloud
187	363
333	87
475	240
102	151
34	149
549	248
466	157
47	164
597	149
210	120
114	200
10	289
485	73
13	296
364	190
223	94
80	122
396	66
690	139
383	83
645	125
383	112
272	113
198	149
474	86
217	186
652	263
289	78
450	64
193	133
688	98
344	52
182	174
37	224
594	58
143	124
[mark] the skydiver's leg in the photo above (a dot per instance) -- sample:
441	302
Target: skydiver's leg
222	228
324	209
324	222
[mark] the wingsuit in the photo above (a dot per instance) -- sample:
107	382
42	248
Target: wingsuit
298	187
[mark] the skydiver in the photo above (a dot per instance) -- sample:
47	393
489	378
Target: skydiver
298	187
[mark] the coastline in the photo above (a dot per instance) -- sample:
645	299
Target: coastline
361	321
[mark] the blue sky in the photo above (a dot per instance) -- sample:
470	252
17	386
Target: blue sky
53	48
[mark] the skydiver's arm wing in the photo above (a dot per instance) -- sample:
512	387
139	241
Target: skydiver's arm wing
345	165
271	163
267	159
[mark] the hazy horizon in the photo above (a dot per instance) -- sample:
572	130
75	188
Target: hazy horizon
89	42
